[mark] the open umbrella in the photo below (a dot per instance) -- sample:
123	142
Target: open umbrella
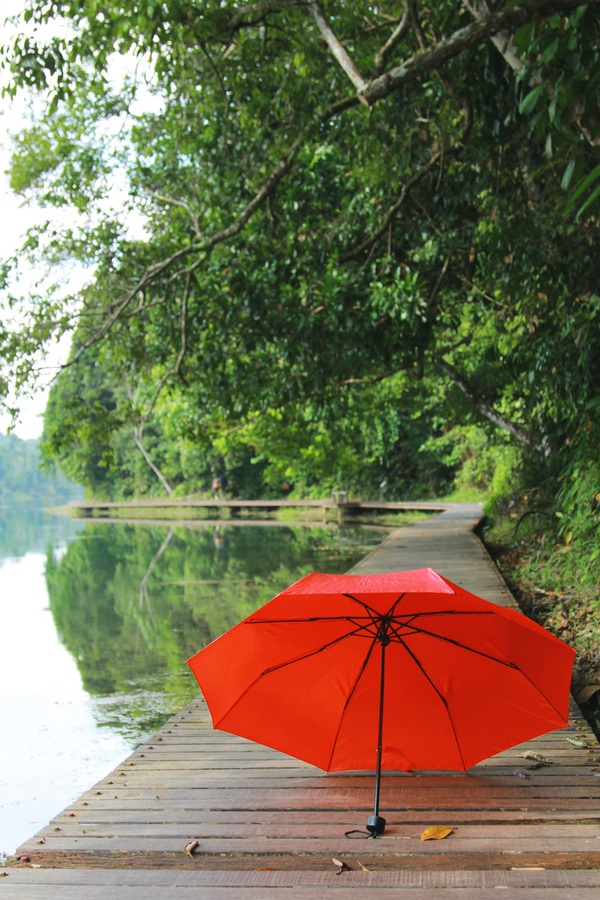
402	670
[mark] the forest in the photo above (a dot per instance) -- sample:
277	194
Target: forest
327	245
22	480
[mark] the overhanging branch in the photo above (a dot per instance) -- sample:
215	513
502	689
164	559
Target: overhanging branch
483	407
337	48
428	60
449	48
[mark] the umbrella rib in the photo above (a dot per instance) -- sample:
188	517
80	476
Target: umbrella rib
453	612
440	695
349	697
320	649
369	609
447	640
283	665
307	619
542	694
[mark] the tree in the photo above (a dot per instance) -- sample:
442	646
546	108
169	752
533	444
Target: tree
329	199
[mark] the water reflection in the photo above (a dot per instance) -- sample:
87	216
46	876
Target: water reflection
97	622
132	602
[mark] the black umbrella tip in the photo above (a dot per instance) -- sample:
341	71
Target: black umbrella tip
375	825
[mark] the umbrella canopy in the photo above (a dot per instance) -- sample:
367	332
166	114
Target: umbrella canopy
401	670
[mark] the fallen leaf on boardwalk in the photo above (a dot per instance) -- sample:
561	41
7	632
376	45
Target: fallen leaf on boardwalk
342	867
364	868
436	833
529	754
190	847
520	774
578	742
587	692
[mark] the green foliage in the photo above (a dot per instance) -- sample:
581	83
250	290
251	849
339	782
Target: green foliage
132	603
559	94
319	292
22	479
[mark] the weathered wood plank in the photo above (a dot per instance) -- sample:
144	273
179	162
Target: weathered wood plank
255	818
263	845
320	830
355	877
93	892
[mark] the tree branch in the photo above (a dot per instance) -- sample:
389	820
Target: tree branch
261	8
413	68
138	437
462	39
407	188
173	201
338	49
483	407
395	37
387	219
502	41
176	369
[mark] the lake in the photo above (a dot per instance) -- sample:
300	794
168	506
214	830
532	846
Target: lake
98	620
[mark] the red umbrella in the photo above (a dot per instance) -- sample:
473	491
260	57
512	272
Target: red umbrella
402	670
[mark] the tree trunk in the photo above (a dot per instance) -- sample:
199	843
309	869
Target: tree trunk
138	436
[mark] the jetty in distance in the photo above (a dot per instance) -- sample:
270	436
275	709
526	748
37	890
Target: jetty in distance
338	501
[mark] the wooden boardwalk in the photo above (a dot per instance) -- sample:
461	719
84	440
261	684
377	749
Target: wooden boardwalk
269	826
337	504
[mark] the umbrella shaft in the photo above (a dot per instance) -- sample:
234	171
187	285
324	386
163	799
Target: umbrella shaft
380	732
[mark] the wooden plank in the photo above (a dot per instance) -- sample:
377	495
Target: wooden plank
321	830
258	818
397	878
414	885
92	892
389	844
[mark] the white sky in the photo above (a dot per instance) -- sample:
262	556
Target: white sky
15	219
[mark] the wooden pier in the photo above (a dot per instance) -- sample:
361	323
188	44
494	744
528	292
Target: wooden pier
259	824
338	502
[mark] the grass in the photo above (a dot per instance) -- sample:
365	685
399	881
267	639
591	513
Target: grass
556	586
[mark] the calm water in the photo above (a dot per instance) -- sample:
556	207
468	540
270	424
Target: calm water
97	621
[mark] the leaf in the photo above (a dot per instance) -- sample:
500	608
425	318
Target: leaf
568	175
587	692
364	868
582	186
578	742
591	199
342	867
436	833
190	847
528	102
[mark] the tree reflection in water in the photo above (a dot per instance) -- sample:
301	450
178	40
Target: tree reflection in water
132	602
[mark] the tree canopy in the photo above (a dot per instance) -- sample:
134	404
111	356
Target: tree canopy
319	237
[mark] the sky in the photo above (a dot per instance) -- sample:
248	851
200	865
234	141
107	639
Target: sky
14	220
16	217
